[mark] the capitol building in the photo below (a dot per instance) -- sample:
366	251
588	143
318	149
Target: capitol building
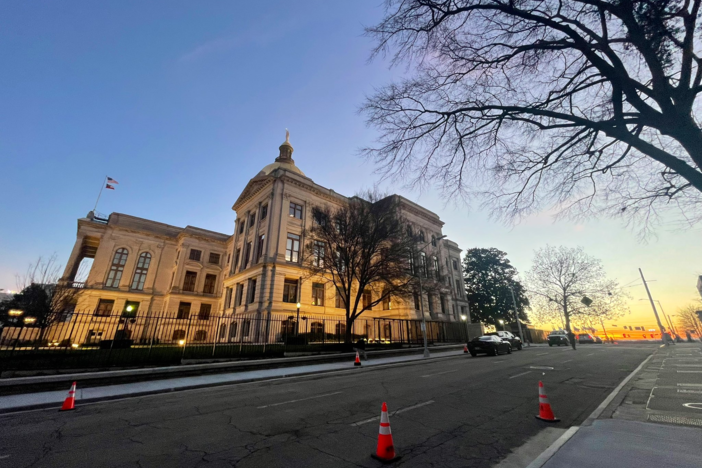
145	267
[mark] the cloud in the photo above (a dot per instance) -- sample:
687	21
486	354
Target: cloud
260	34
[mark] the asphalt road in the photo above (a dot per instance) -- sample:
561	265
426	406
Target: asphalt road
450	412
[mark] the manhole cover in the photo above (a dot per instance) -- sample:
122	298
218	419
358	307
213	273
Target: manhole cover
675	420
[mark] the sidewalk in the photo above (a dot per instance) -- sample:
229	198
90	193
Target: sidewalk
625	431
51	399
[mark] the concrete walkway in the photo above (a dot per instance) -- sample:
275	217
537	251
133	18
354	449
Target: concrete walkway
11	403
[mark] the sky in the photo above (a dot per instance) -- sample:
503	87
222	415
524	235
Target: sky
183	102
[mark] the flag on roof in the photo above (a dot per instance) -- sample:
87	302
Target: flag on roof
108	186
112	181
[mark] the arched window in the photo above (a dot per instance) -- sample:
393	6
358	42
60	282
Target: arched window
317	329
117	268
287	327
409	230
141	269
340	329
223	331
232	331
387	331
178	335
421	236
200	335
433	240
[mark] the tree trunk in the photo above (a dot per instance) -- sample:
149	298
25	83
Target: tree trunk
571	335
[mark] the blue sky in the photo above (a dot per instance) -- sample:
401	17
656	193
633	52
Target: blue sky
184	102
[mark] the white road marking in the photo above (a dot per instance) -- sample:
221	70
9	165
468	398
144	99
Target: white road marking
682	390
689	372
690	385
519	375
301	399
687	365
439	373
567	361
542	354
499	360
591	354
541	367
359	423
693	405
2	457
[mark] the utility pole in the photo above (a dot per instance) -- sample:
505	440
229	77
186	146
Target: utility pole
516	315
653	306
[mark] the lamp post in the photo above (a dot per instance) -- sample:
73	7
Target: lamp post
516	316
502	323
297	322
421	300
465	320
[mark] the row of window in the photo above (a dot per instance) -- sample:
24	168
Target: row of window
431	298
117	269
252	219
196	255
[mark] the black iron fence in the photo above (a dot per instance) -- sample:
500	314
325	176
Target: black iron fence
90	340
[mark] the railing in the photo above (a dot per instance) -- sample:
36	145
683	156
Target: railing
86	340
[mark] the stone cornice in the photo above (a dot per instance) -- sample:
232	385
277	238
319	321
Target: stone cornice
253	188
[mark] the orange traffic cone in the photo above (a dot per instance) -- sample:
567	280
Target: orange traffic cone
465	349
70	402
386	449
357	362
545	412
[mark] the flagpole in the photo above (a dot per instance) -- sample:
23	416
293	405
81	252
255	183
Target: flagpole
104	181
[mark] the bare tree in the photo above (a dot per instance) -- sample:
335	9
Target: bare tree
586	106
610	302
560	278
688	320
362	246
42	295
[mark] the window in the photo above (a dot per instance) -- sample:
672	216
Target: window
239	294
183	311
340	303
287	327
178	335
204	313
387	303
252	220
435	261
417	305
228	298
430	300
340	261
246	328
252	291
141	269
318	260
210	282
443	304
117	268
458	288
433	240
222	331
195	254
242	225
317	329
411	263
409	231
421	236
387	331
264	212
261	240
232	331
236	258
367	298
295	210
200	335
423	264
104	308
320	218
340	330
455	264
247	256
130	309
292	248
317	294
229	258
189	282
214	258
290	291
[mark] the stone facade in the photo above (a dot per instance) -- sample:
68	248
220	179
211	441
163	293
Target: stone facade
142	267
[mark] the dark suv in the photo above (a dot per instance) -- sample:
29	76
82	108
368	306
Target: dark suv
515	341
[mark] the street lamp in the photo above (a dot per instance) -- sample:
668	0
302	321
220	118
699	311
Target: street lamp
465	319
516	316
502	322
421	298
29	320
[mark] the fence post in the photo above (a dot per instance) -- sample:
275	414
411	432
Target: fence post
187	338
324	331
216	336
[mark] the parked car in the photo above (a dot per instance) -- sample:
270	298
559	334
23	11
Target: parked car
515	341
586	338
598	340
489	344
558	338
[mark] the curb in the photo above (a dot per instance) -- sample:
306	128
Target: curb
546	455
306	375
